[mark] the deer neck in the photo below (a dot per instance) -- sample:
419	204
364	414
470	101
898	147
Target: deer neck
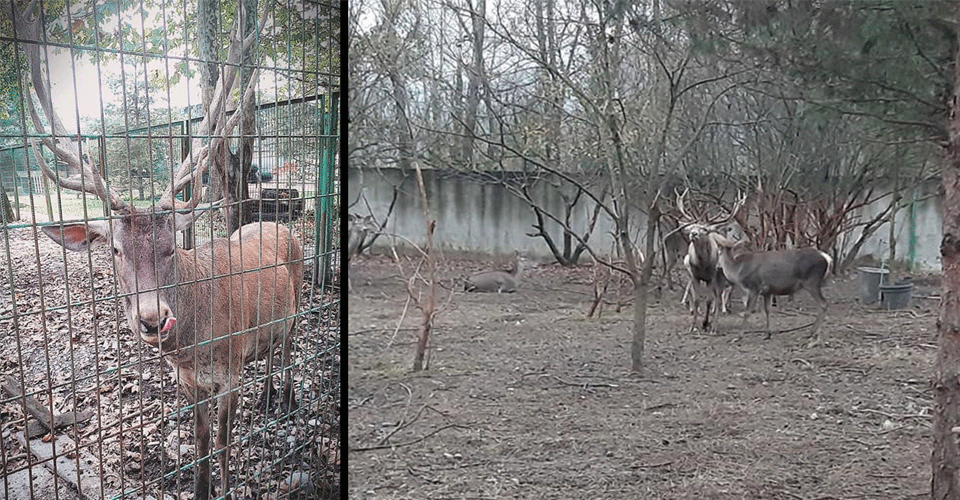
188	298
517	269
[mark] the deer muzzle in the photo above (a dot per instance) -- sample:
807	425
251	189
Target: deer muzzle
153	322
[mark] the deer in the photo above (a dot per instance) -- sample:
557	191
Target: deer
360	227
238	296
673	241
707	279
780	272
497	281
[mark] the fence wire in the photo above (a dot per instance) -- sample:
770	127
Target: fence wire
98	400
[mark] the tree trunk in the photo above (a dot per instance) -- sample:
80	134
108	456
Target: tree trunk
6	209
228	177
475	74
610	134
429	310
207	29
945	458
248	125
892	236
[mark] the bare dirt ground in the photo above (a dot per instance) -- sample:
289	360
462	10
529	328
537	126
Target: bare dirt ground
526	398
63	333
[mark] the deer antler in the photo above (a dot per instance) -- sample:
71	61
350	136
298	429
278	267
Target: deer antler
184	175
681	205
88	180
731	214
192	168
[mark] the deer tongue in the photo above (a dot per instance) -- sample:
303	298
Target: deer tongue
168	324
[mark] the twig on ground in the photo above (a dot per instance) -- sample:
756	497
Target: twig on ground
659	406
408	443
584	384
651	466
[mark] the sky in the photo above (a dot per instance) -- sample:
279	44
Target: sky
65	101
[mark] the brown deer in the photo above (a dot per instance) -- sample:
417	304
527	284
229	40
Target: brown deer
237	296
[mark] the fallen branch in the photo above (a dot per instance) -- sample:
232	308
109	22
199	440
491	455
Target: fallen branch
584	384
408	443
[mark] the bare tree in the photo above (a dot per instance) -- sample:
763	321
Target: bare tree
230	167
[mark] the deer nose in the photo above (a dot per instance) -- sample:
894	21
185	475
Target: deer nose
148	327
154	322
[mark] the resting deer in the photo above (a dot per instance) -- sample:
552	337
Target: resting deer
237	295
497	281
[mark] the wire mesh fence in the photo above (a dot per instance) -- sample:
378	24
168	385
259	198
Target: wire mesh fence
169	184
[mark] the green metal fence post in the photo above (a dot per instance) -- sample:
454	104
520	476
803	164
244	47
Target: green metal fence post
325	188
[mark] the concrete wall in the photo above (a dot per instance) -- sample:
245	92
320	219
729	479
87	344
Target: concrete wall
919	220
477	215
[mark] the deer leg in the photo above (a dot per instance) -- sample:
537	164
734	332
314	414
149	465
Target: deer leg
668	264
289	402
725	300
706	316
750	306
201	419
687	292
695	303
226	408
766	312
266	397
815	335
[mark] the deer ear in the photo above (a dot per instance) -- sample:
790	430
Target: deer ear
78	237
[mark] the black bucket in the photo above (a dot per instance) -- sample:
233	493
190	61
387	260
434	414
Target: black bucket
896	296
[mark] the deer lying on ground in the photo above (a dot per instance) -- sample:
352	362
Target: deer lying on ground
783	272
497	281
240	295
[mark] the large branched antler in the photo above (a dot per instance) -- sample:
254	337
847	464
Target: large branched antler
87	179
731	214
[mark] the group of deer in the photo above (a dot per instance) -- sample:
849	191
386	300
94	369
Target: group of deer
717	263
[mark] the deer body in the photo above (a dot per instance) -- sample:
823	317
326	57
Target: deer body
496	281
238	296
707	280
783	272
359	228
